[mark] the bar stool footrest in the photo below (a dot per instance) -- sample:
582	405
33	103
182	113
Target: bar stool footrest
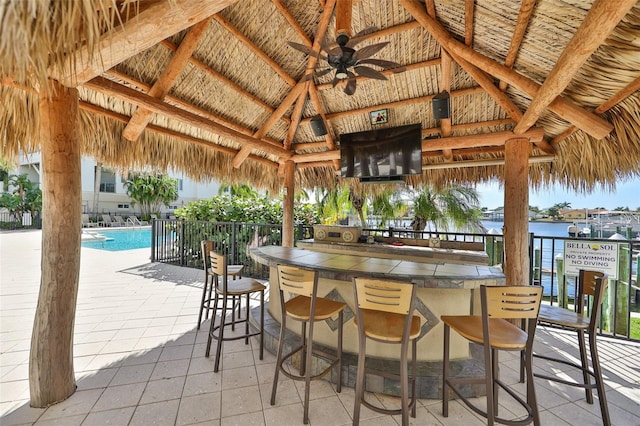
452	382
333	361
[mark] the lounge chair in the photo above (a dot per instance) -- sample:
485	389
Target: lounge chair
106	220
86	222
119	221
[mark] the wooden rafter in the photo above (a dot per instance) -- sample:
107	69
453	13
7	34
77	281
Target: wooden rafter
596	27
292	21
135	36
255	49
610	103
485	163
452	142
161	87
344	9
127	94
295	91
469	7
172	133
190	107
396	104
296	115
587	121
445	86
220	77
522	23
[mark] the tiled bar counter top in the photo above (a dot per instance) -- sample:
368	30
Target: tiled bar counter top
443	289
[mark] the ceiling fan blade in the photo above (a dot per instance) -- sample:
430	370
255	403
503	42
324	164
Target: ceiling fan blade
350	88
331	49
381	63
370	50
369	72
360	35
299	47
322	72
335	81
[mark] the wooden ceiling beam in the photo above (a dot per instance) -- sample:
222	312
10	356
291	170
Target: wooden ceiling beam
110	88
618	97
163	84
292	21
344	9
171	133
587	121
600	21
452	142
445	86
522	23
469	7
484	139
191	108
134	36
396	104
485	163
255	49
296	115
217	75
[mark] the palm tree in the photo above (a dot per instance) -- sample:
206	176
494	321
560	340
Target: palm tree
456	206
333	205
388	206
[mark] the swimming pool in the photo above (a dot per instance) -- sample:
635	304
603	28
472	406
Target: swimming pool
124	239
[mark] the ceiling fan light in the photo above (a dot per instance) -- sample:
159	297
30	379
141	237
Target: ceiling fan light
341	73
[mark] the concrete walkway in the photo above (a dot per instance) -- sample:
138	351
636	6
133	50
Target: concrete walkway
140	361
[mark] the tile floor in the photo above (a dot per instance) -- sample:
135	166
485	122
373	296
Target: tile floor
140	361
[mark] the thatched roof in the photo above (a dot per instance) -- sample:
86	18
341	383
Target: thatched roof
229	99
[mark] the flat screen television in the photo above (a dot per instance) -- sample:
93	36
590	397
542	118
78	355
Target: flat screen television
382	154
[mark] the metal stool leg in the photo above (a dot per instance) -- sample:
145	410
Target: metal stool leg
597	371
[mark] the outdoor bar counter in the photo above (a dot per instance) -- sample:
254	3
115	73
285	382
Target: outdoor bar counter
443	289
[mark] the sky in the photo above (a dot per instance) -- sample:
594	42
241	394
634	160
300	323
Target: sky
627	194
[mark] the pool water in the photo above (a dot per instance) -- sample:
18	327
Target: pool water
126	239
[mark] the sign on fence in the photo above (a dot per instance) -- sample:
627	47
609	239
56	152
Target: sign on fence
591	255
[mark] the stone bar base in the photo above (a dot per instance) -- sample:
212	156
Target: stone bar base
429	381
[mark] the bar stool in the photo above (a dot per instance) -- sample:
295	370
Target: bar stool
206	246
385	314
303	304
591	285
226	290
494	332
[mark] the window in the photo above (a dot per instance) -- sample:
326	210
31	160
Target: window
123	206
179	184
107	180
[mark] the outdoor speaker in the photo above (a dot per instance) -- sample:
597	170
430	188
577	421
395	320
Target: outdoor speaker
441	105
317	125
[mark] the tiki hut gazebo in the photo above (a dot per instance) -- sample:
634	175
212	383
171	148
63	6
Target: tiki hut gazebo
541	92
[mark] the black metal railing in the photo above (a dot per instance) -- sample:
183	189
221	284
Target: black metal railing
11	221
622	298
178	242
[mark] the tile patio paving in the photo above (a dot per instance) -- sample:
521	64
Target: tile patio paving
140	361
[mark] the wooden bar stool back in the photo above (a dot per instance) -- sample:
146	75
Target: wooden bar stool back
385	314
591	288
495	332
225	291
298	289
206	246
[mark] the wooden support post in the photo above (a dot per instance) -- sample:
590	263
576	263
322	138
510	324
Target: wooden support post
51	375
287	207
516	211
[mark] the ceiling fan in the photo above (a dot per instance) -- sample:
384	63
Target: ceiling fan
344	58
